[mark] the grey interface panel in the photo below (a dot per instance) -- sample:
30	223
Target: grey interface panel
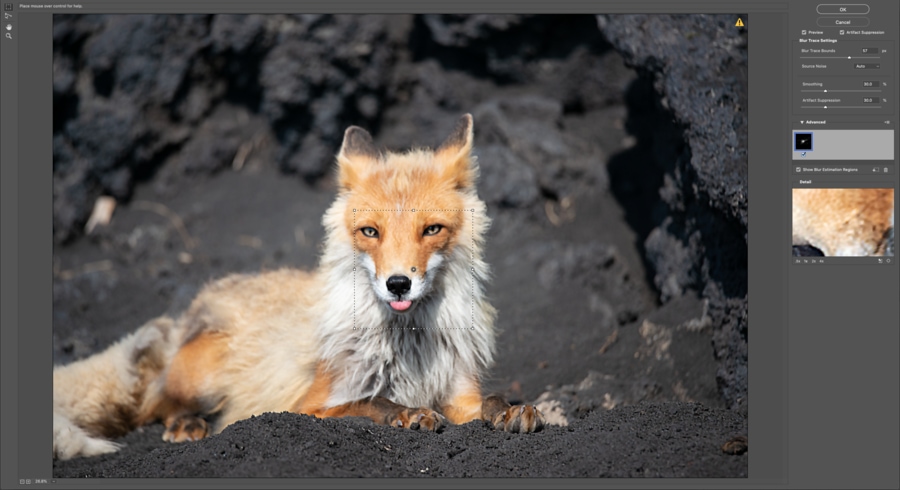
843	165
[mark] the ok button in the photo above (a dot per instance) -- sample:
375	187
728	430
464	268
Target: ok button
842	9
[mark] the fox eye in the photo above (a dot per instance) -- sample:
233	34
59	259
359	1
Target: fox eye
369	232
433	230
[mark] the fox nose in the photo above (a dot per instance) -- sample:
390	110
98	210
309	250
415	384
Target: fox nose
398	285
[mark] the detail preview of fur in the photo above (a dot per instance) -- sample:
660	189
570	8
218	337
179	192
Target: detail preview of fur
843	222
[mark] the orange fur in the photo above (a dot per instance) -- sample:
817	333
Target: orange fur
196	364
378	409
848	222
465	407
407	247
313	401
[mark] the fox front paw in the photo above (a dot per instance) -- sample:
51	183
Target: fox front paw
186	428
519	418
419	419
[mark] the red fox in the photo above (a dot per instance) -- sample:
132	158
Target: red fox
843	222
393	325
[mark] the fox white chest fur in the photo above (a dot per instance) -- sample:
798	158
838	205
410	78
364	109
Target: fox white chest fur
411	357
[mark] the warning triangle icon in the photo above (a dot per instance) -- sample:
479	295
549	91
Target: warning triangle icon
739	23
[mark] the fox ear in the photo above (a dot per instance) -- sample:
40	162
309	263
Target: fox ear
356	150
455	154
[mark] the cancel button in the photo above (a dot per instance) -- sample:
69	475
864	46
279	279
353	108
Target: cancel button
842	21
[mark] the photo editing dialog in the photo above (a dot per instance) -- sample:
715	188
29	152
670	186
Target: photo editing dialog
843	126
283	243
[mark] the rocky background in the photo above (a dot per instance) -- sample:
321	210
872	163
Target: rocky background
613	152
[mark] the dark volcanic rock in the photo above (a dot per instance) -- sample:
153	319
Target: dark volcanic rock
505	179
529	127
323	74
466	30
596	266
698	66
644	440
129	90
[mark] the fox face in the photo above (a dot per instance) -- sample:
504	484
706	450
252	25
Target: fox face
405	213
402	251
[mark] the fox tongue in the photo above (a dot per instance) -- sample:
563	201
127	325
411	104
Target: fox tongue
400	305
